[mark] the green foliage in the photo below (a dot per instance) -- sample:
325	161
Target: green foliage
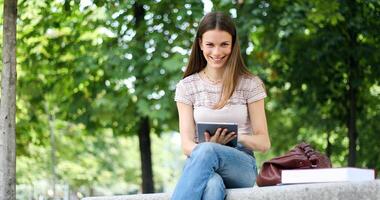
86	66
307	52
98	69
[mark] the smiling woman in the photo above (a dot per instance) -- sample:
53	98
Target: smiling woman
217	87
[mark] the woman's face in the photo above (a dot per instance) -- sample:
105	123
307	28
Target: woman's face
216	46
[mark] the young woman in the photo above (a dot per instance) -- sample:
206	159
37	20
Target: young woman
217	87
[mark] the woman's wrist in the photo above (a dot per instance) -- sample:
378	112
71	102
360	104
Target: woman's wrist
254	142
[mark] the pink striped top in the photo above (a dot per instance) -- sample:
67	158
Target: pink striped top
203	95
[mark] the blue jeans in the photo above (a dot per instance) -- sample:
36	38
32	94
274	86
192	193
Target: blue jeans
211	168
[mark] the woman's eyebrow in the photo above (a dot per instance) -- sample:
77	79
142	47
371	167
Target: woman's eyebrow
220	43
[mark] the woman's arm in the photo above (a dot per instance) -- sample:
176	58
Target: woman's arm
259	141
186	127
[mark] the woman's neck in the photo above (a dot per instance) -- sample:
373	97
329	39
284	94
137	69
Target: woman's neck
213	75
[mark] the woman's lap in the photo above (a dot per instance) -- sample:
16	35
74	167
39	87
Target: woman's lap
236	168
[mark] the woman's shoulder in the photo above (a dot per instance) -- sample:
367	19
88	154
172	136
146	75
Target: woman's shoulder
194	78
249	82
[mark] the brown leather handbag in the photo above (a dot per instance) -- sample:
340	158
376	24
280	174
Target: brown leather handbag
300	157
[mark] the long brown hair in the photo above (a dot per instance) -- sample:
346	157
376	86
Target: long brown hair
234	67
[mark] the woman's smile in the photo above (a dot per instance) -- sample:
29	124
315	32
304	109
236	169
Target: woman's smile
218	60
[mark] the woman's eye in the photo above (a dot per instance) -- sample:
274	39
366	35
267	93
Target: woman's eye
210	45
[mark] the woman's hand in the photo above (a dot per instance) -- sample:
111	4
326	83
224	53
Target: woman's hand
220	136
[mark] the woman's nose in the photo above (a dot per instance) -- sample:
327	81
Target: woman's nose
216	50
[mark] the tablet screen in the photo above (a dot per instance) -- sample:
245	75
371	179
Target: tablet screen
211	128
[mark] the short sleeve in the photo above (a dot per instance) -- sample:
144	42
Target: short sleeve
181	94
256	90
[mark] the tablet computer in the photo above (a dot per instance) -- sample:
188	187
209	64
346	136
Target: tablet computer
211	128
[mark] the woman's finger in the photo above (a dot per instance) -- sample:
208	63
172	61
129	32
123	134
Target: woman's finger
207	136
216	136
224	132
223	136
230	137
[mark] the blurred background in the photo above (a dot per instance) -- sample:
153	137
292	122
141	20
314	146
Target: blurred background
96	81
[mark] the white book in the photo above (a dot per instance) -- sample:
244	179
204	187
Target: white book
326	175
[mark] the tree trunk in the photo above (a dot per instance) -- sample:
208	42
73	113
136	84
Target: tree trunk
51	122
8	104
329	146
144	127
353	85
146	156
351	120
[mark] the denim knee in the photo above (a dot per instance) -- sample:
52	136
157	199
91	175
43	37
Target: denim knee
215	188
205	149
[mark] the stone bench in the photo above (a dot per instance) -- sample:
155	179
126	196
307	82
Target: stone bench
366	190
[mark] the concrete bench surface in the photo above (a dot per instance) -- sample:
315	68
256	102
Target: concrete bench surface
341	190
